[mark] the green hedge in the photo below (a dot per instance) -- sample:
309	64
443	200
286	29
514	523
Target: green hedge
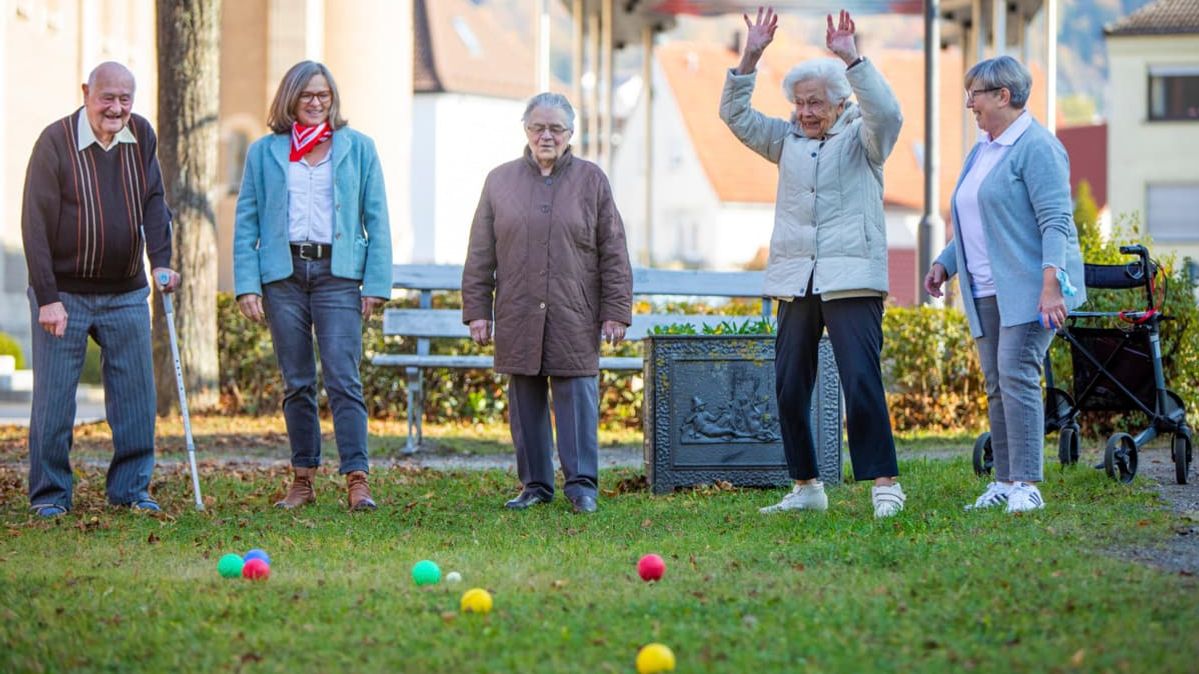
9	346
930	365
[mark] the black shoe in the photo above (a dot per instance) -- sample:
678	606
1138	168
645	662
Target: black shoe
583	503
527	499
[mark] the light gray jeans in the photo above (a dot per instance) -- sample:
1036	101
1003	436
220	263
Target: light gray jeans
1011	363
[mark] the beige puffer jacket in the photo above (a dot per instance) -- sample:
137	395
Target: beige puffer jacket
828	216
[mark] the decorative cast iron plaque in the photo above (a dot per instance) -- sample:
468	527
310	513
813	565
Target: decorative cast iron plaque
711	412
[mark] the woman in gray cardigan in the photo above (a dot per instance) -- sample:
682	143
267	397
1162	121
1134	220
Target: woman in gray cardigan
828	251
1016	248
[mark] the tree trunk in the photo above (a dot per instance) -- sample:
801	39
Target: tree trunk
188	104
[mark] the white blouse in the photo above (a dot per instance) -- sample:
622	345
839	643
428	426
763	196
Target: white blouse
310	200
965	201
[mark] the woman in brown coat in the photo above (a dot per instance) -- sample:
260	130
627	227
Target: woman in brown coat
547	271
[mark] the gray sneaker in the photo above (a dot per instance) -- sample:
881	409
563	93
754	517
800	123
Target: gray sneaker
801	497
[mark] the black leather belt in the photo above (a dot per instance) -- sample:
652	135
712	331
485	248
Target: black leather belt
311	251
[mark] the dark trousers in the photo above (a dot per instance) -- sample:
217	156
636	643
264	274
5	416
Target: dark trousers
313	300
855	328
576	418
120	325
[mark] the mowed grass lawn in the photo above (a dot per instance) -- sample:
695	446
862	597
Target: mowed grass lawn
936	589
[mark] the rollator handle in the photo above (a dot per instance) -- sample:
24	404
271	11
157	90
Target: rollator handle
1135	249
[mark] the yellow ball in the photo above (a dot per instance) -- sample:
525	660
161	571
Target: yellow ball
476	600
653	658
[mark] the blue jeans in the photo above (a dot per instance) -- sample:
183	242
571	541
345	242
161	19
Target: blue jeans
1011	360
313	300
120	325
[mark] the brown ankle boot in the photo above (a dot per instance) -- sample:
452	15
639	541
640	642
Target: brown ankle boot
360	493
300	492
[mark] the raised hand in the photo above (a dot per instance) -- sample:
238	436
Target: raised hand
839	39
759	34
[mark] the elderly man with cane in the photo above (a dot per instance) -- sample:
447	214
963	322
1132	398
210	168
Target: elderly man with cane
93	208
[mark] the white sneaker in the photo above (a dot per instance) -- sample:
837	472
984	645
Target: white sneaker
801	497
888	500
996	495
1024	497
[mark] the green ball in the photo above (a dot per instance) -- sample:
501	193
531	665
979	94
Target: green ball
426	572
230	565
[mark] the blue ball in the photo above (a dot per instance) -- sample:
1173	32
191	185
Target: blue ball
258	554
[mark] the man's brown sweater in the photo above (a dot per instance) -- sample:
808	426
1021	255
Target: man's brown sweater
86	212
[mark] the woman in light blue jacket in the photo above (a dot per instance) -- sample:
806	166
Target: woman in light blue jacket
1016	250
312	254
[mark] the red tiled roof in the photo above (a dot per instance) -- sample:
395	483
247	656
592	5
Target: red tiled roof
461	47
1164	17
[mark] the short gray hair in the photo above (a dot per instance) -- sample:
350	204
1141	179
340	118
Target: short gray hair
830	71
547	99
1002	72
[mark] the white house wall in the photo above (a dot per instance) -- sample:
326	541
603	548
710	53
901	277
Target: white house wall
687	218
456	140
1141	152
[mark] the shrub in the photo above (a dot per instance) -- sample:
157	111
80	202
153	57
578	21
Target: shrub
931	371
9	346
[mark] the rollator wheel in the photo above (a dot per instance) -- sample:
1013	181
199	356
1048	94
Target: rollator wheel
1181	446
1067	445
1120	457
984	460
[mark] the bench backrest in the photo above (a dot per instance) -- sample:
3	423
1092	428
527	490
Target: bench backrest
427	322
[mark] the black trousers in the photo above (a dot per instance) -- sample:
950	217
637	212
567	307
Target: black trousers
855	328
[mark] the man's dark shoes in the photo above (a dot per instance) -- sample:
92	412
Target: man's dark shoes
527	499
583	503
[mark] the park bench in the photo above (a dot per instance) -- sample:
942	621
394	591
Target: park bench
426	323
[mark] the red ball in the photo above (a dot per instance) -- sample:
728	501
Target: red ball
651	567
256	569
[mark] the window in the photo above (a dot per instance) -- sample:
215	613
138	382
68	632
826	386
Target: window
1173	211
1174	93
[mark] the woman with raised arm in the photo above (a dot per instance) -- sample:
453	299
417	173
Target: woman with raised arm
828	251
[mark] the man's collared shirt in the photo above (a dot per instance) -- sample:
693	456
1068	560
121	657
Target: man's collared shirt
87	136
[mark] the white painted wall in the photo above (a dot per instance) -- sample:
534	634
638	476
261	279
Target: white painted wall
47	50
456	140
1141	152
686	221
368	47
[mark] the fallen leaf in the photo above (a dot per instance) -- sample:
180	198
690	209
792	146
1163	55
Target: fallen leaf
1076	659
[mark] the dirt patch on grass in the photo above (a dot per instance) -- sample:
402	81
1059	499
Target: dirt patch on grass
1179	553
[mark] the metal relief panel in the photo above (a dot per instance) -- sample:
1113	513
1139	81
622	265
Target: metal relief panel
712	414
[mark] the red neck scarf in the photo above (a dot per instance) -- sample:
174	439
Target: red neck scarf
304	138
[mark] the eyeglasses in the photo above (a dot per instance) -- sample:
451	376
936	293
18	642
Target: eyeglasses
815	106
970	94
536	130
323	96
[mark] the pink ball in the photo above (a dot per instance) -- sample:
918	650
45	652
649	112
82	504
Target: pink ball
651	567
256	569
